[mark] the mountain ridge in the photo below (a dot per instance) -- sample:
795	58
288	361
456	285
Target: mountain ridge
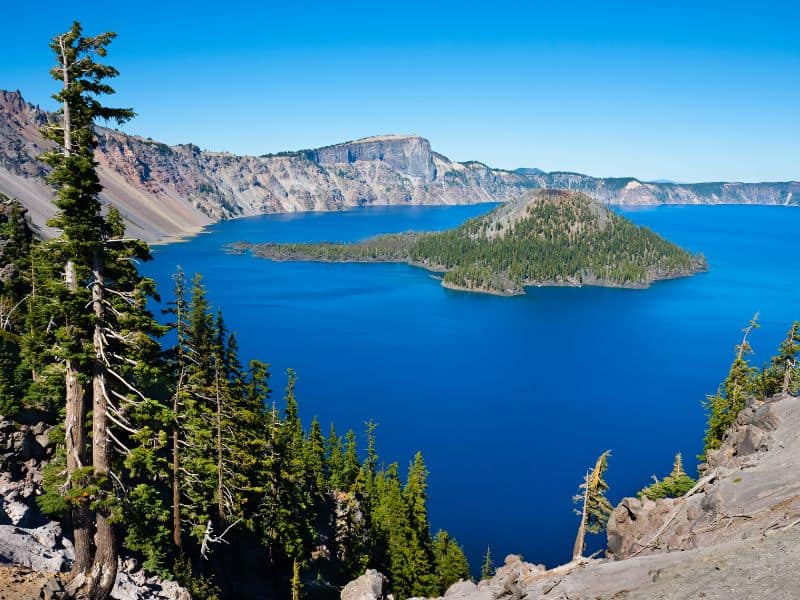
166	191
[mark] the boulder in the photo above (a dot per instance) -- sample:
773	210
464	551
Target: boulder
467	590
370	586
461	588
14	511
133	583
24	547
766	417
633	522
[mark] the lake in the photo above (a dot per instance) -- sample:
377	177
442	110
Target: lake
509	399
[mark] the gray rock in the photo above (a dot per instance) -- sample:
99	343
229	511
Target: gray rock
49	535
43	440
17	512
132	583
370	586
766	417
29	448
753	439
467	590
22	547
461	588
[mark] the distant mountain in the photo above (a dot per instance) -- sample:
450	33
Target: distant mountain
167	191
544	237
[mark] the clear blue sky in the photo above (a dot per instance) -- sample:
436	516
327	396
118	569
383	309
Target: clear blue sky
691	91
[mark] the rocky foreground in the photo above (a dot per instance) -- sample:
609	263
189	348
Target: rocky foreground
34	553
164	191
736	535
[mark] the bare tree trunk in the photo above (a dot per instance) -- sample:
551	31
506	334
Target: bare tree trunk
743	346
67	117
580	543
177	527
75	443
787	376
32	303
297	585
176	488
220	497
104	569
75	440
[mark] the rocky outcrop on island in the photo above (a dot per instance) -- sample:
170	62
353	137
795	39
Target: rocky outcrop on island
165	191
736	534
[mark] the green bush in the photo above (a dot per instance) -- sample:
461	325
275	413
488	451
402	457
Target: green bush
674	485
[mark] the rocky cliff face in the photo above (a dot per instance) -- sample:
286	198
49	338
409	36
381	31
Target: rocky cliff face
172	190
409	154
736	534
750	488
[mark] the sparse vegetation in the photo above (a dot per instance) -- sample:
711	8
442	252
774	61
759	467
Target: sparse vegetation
595	507
674	485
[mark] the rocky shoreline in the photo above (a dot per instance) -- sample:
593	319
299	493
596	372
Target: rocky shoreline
165	191
277	253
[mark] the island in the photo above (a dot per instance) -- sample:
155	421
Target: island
543	238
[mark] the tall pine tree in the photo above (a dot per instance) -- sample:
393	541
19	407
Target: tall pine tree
105	334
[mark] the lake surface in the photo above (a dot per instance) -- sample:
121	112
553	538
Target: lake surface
509	399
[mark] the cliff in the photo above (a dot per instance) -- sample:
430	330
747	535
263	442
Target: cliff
165	191
736	534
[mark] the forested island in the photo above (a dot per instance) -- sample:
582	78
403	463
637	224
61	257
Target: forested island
547	237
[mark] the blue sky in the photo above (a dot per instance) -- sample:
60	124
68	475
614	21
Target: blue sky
689	91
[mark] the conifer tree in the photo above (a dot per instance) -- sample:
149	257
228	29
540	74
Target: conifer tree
450	562
15	293
248	436
104	330
350	462
39	347
416	494
392	531
783	373
420	556
285	516
595	507
727	403
674	485
370	466
223	427
487	568
315	460
401	534
179	358
335	459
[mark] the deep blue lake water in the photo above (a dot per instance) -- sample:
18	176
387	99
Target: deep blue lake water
509	399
